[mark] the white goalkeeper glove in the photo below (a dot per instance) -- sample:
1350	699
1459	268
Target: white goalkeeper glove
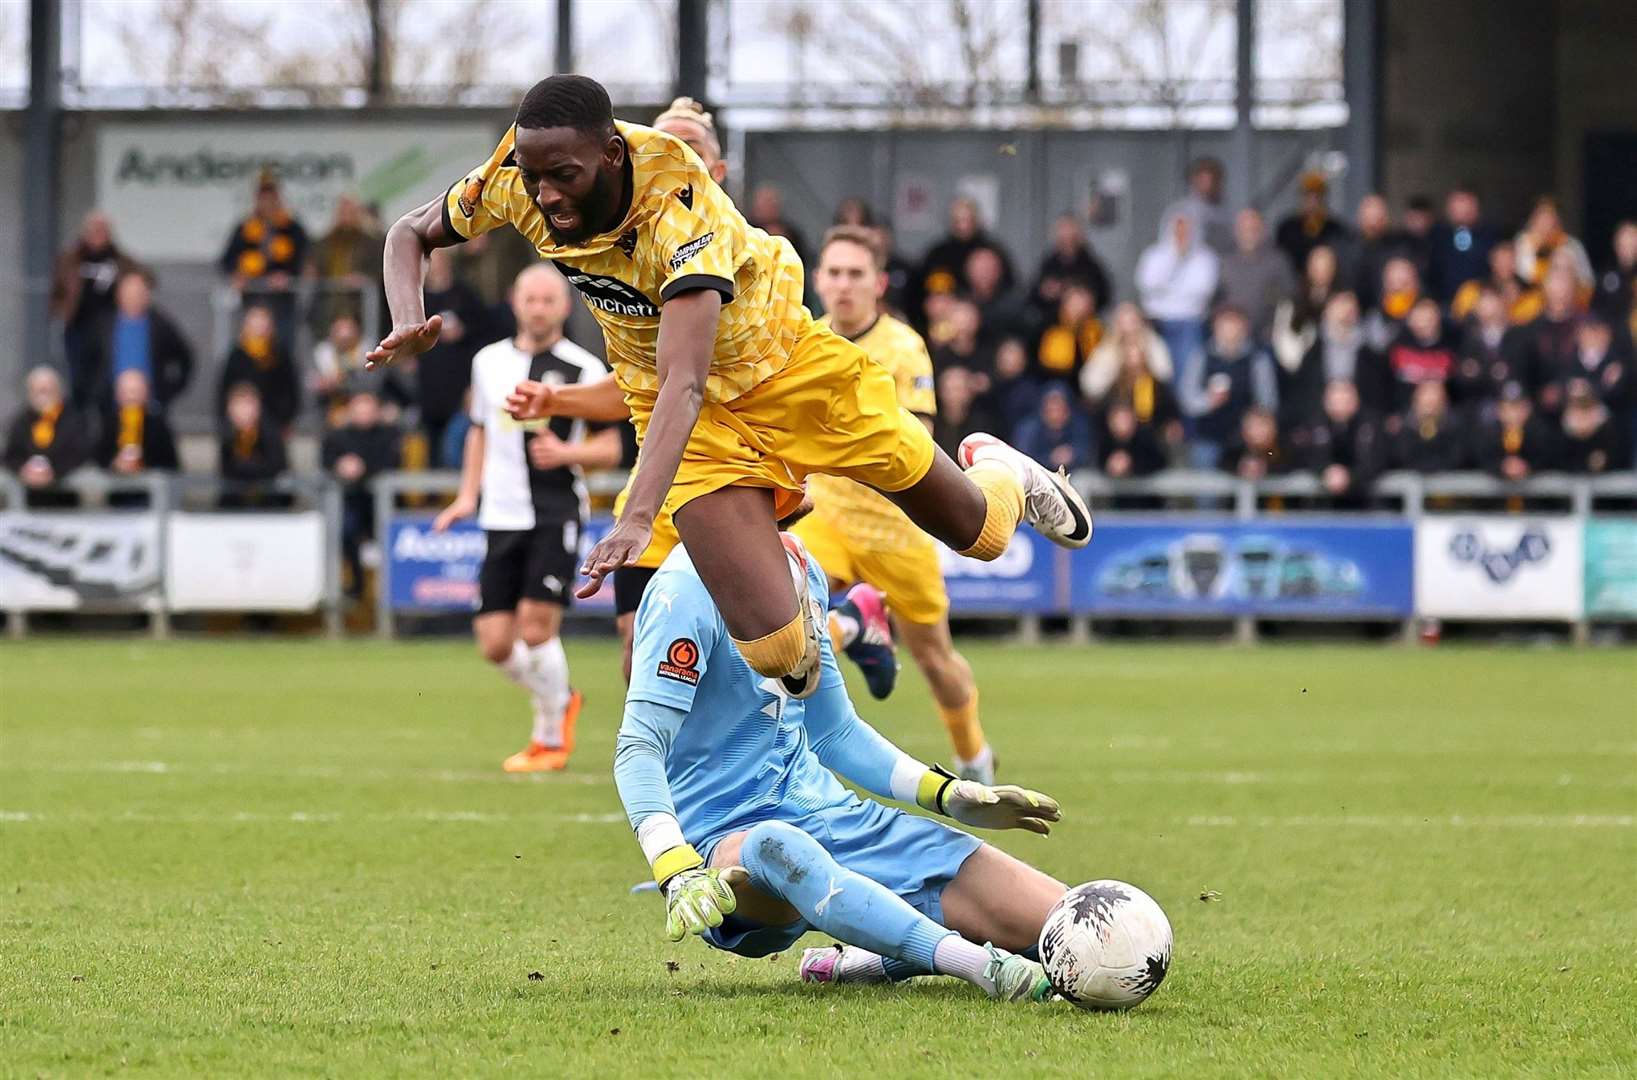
983	807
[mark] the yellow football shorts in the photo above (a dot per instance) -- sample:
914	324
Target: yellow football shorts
833	410
908	575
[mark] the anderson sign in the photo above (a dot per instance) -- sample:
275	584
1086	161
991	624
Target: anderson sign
175	189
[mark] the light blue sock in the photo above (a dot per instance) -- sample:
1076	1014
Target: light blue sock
785	862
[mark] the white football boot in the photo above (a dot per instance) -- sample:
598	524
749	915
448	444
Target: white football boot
1050	502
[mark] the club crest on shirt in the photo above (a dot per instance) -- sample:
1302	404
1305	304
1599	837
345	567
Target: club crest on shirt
684	195
681	662
469	196
627	242
690	249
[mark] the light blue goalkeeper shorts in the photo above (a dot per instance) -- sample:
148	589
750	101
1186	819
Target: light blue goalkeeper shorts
915	857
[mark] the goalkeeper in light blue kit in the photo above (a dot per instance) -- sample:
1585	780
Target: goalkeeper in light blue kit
731	788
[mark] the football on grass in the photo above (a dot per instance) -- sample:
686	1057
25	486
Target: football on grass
1105	945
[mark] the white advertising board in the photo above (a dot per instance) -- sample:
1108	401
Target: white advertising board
176	189
245	562
1499	568
78	561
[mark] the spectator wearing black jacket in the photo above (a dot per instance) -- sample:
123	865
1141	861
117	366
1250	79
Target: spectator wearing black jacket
1128	447
1345	447
48	440
1616	296
1059	434
1548	349
1516	443
1603	361
135	436
1371	246
82	286
1592	440
1430	436
943	270
1458	247
1233	375
1312	225
355	452
135	336
1488	357
264	257
1424	351
1070	261
444	372
1337	353
252	452
258	359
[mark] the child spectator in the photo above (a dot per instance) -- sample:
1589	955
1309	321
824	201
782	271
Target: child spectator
1523	302
1255	275
1176	278
1058	435
1072	337
1127	447
1591	441
1400	289
1422	352
251	451
1296	319
48	440
1487	359
136	438
1253	451
1344	447
1069	262
1338	353
361	446
258	359
1232	376
1430	438
1515	444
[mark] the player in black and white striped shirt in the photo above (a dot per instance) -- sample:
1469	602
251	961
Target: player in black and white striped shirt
523	480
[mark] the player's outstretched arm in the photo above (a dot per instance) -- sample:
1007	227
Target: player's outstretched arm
696	897
687	334
471	480
851	748
408	242
600	401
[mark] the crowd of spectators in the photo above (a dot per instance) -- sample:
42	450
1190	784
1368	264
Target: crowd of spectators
1431	341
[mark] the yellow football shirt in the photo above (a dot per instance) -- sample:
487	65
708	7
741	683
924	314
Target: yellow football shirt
864	516
681	232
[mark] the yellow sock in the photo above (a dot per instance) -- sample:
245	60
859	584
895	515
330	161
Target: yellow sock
779	653
1003	508
963	727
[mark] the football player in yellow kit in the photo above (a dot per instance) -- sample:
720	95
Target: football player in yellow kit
736	393
858	535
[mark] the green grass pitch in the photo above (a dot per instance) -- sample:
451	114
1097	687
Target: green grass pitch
301	858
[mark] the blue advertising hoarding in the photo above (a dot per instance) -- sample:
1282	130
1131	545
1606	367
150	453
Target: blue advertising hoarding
1029	578
433	572
1319	569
